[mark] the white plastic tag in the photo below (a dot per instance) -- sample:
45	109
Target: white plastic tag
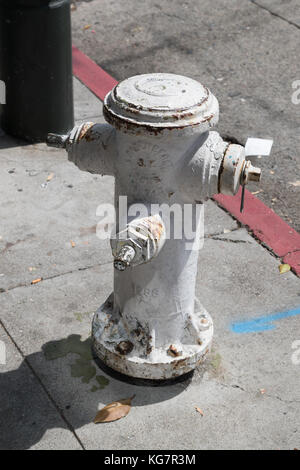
258	147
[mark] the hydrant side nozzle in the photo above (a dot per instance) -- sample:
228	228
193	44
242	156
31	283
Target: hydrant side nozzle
250	173
139	242
57	140
231	170
92	147
124	257
236	170
63	140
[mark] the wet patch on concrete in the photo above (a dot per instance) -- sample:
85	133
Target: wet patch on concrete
102	383
80	316
212	365
83	366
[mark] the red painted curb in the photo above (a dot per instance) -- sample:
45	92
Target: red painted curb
91	75
267	226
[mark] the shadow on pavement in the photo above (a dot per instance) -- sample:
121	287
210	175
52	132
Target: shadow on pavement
8	141
27	412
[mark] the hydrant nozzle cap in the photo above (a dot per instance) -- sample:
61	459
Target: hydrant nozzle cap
161	102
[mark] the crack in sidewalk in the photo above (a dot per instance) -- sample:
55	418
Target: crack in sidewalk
255	237
228	240
253	392
277	15
291	252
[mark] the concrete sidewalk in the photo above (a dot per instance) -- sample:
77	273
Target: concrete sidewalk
50	389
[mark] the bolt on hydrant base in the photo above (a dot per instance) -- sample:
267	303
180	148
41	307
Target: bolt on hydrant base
166	160
135	354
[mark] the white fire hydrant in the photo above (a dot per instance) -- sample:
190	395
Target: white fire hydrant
159	147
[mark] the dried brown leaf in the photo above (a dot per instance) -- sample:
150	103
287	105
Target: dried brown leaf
49	178
284	268
199	410
114	411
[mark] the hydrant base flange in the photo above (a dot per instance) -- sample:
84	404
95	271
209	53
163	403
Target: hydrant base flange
137	380
122	352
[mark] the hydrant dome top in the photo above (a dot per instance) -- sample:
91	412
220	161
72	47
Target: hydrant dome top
161	102
161	92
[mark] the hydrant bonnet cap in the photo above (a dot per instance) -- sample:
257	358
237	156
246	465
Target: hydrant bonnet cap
161	102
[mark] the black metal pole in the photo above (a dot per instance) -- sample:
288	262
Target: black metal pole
36	66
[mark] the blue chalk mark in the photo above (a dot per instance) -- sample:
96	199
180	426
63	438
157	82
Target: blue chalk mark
262	323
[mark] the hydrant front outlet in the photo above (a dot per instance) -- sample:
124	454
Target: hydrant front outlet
165	159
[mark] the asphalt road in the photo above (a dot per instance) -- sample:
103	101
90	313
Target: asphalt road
246	52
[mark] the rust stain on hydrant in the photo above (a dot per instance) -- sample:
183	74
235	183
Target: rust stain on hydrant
173	351
124	347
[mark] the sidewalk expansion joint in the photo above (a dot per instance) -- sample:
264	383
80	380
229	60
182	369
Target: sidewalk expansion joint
3	291
58	409
275	14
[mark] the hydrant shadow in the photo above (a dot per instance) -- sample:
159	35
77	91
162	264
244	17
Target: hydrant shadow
146	392
26	411
184	379
33	402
